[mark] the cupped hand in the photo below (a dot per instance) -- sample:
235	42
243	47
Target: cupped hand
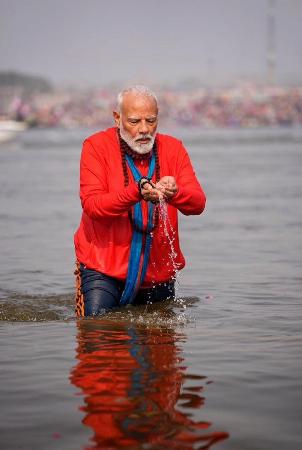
167	186
151	193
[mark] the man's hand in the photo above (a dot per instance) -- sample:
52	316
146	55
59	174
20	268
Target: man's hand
167	186
151	193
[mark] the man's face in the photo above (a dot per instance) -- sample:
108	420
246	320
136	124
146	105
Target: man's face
137	121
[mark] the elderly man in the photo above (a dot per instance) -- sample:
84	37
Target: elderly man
128	249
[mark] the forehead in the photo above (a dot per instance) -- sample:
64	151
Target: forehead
139	105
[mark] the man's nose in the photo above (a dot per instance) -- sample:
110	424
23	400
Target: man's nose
143	128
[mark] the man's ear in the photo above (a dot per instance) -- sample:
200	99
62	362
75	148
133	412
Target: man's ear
117	118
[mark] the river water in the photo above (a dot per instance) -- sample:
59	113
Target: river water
219	367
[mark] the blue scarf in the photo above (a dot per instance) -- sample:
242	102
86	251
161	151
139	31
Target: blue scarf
141	240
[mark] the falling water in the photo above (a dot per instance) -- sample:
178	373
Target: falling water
169	232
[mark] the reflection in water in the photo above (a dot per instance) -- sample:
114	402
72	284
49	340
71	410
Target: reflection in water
135	389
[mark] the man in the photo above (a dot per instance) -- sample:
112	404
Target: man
127	251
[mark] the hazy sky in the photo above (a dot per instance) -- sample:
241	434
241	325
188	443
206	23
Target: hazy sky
99	41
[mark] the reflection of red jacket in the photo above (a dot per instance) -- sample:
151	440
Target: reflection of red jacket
103	239
102	386
131	382
134	388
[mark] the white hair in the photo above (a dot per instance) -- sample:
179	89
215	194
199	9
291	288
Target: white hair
136	89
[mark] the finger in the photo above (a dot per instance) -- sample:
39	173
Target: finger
156	195
170	190
152	195
170	194
146	190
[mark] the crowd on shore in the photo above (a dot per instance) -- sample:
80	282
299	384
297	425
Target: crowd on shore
242	106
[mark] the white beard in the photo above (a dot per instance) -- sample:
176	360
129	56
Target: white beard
136	146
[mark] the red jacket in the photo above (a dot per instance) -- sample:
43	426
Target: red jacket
103	239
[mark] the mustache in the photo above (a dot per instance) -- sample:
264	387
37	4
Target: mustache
142	136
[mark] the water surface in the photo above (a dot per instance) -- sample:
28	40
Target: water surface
220	367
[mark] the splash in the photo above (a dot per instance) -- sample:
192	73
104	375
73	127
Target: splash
21	307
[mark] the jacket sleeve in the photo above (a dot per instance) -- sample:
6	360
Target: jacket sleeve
96	199
190	198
